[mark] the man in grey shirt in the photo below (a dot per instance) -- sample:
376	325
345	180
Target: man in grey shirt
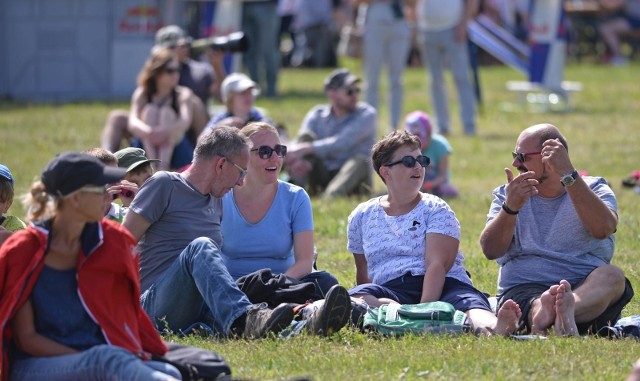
176	219
551	231
334	143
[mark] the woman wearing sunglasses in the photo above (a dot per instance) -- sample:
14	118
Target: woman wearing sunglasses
405	243
69	285
161	112
268	223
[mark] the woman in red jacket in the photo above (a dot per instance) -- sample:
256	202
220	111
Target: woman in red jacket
69	286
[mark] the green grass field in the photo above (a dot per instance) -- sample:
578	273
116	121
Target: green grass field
604	139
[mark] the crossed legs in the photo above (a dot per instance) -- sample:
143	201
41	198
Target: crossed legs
563	308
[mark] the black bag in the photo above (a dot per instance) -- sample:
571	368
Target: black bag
196	364
264	286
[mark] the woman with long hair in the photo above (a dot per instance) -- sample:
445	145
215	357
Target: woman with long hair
160	111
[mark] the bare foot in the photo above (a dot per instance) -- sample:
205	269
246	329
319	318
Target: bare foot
545	315
508	317
635	372
565	324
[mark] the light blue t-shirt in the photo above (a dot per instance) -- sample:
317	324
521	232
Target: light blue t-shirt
438	148
550	242
269	242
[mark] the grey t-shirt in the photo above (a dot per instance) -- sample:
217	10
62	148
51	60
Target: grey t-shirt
550	242
178	214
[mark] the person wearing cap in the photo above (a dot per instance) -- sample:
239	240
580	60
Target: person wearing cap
551	231
8	222
176	220
442	26
331	155
437	148
202	78
135	161
69	289
238	93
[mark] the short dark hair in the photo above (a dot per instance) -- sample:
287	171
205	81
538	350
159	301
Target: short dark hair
383	150
140	168
6	190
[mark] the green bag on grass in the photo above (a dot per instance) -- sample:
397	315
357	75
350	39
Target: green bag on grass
431	318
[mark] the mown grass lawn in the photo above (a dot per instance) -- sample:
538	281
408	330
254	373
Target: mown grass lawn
603	131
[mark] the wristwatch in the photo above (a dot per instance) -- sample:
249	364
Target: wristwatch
568	179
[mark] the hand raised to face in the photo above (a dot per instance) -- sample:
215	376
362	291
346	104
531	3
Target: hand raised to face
555	157
520	188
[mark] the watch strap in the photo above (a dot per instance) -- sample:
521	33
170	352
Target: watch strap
573	175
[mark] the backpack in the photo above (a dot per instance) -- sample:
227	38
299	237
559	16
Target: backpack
195	364
627	327
432	317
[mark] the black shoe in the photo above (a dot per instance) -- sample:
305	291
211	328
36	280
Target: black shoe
332	315
632	180
261	320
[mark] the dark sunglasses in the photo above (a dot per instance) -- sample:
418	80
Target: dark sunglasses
410	161
352	90
265	152
171	70
521	156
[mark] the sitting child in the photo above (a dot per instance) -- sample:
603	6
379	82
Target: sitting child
138	167
8	222
125	190
437	148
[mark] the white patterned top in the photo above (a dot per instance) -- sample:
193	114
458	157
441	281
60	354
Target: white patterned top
395	245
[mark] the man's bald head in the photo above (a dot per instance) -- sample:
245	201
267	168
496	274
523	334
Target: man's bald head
543	132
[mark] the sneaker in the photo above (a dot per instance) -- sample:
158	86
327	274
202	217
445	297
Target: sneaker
261	320
328	316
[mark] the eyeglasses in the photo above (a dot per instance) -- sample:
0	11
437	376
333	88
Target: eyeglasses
171	70
352	90
265	152
410	161
243	172
522	157
94	189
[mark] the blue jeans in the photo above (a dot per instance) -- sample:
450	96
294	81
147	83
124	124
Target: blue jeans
385	42
196	288
102	362
323	281
440	49
261	24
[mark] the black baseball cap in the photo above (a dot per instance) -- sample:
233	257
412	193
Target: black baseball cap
70	171
339	78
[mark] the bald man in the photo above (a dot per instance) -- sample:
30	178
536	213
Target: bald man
551	231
